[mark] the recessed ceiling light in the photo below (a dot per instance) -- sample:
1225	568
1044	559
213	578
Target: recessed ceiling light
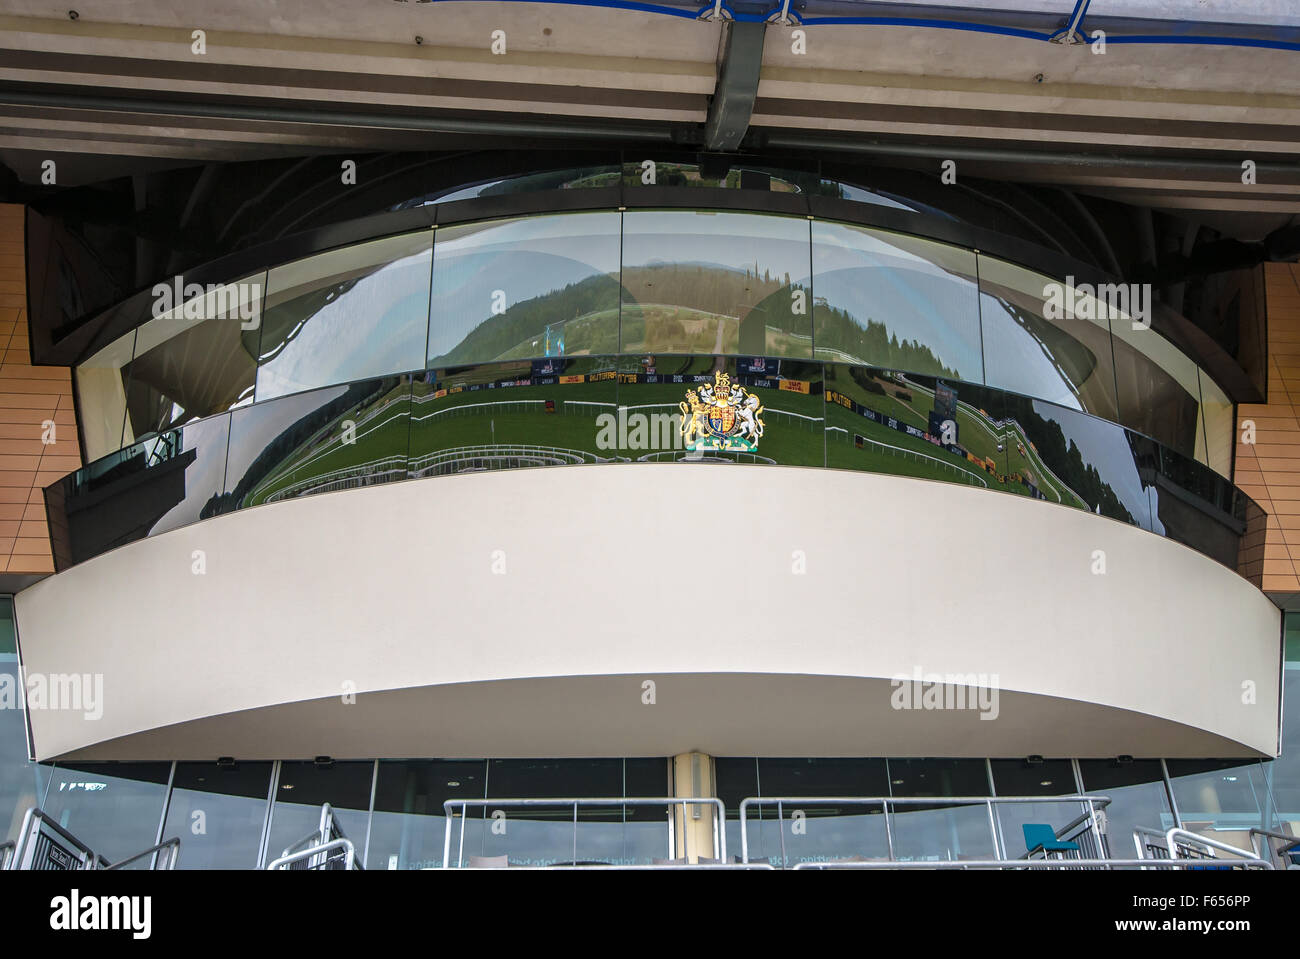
1045	782
453	783
287	786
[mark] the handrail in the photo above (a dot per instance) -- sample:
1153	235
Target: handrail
327	830
1094	805
719	831
1008	864
34	821
1173	835
625	867
173	846
349	851
22	852
1151	841
1292	842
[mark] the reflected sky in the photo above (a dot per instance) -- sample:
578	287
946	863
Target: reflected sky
730	240
368	325
874	277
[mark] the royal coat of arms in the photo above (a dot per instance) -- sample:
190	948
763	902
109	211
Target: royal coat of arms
721	416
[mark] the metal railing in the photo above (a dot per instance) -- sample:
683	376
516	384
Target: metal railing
6	853
319	856
1280	856
169	850
1181	846
718	848
1151	844
1178	839
326	848
1090	822
44	845
1015	864
1155	844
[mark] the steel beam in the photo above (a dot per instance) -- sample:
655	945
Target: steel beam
733	97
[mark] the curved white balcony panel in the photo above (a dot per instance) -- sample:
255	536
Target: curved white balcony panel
522	612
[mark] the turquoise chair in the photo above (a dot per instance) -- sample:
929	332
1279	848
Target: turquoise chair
1040	837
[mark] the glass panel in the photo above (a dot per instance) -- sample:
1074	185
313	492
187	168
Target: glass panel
736	779
344	315
742	410
22	783
819	833
1066	358
195	360
341	437
1220	425
1018	777
1285	770
1067	457
114	808
509	415
888	422
541	835
895	301
218	812
1196	506
409	826
716	283
1221	798
932	830
1159	392
158	484
644	834
1138	799
101	396
516	289
305	787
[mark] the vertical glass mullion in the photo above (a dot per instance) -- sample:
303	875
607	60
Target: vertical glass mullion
622	229
261	329
126	391
428	305
1169	794
979	316
268	815
370	813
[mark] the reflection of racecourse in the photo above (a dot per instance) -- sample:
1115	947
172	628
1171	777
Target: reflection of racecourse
348	476
966	475
1005	438
767	410
384	470
467	459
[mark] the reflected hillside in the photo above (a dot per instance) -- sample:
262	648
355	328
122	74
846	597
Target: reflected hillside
582	316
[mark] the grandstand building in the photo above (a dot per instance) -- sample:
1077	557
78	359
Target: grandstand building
771	435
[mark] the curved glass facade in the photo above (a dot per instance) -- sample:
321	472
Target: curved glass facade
642	283
575	410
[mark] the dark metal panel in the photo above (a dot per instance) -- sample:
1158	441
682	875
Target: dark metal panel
737	87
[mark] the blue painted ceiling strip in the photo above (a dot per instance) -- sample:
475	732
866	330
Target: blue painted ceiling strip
1180	30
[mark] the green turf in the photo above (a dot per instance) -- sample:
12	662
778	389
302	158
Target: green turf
384	429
